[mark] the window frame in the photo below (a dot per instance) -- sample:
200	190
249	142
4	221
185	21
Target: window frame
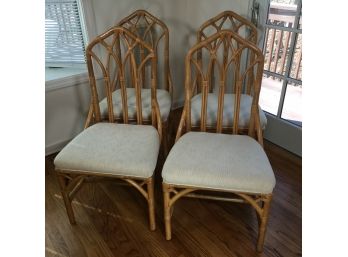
87	18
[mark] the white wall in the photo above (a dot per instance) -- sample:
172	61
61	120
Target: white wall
65	113
66	108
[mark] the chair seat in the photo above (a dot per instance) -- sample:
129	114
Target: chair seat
219	161
112	149
163	99
228	110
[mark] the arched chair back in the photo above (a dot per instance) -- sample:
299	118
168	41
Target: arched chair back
111	61
214	110
228	20
155	33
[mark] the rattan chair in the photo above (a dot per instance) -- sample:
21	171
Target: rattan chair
231	163
227	20
107	149
155	33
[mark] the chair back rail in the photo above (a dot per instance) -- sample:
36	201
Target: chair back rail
227	20
225	50
111	56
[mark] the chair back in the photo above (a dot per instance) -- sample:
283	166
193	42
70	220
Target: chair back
155	33
228	20
112	63
225	50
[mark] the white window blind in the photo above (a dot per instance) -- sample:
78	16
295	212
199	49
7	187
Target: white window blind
64	43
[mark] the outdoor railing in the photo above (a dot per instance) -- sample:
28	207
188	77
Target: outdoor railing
277	43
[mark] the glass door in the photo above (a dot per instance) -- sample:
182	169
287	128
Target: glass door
280	28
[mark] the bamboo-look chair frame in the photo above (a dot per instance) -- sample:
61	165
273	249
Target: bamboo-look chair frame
71	181
172	192
132	22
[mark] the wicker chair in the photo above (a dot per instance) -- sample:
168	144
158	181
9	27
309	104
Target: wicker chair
227	20
105	149
155	33
232	163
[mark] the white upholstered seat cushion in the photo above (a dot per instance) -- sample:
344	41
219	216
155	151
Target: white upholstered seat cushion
218	161
228	110
109	148
163	99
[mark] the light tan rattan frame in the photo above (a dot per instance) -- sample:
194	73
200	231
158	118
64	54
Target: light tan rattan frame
70	181
171	192
149	23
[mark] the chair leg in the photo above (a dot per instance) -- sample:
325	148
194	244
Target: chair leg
151	203
66	198
167	214
257	215
263	222
165	139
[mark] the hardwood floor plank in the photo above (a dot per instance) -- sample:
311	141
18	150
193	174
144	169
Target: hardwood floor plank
150	241
81	239
110	224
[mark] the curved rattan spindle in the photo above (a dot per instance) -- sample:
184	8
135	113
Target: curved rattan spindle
129	56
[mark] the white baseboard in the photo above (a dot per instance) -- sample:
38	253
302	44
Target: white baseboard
56	147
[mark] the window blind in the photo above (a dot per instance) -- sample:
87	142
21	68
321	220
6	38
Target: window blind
64	44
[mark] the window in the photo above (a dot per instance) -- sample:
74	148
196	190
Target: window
281	92
64	34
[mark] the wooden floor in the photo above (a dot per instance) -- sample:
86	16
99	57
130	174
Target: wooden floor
112	219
